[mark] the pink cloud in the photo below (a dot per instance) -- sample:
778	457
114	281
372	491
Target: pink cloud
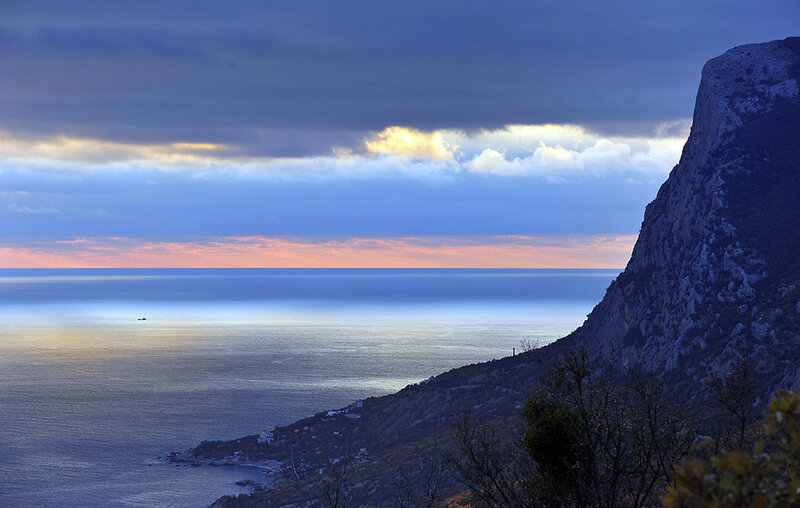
587	251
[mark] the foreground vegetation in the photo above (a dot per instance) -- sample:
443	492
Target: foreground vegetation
588	435
602	438
769	475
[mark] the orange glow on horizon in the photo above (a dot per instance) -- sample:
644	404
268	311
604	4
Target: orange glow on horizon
589	251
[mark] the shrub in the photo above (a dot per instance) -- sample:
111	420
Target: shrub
767	476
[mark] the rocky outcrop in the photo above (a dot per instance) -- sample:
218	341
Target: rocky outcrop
713	275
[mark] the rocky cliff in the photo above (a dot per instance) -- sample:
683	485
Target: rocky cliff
714	276
714	273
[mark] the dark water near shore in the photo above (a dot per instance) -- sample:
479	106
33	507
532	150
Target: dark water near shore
90	397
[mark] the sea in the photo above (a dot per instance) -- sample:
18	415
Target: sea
103	372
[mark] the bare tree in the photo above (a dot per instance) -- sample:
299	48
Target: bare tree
662	437
496	470
736	394
433	467
529	344
335	492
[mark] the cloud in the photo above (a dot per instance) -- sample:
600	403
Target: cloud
190	70
675	129
549	151
605	154
558	151
658	155
516	251
12	193
545	160
516	139
603	157
15	208
97	151
492	161
409	143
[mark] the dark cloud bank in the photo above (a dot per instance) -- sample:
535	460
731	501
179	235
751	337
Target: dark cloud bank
242	72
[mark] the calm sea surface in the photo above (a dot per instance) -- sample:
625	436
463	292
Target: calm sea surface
90	396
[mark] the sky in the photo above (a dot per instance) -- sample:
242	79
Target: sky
350	133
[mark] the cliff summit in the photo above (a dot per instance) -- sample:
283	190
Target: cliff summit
714	273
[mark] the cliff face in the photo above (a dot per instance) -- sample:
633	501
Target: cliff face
714	273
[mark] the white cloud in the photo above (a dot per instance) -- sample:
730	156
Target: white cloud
659	156
517	140
604	156
15	208
494	162
547	151
554	161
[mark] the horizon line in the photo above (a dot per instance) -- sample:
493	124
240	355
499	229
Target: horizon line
313	268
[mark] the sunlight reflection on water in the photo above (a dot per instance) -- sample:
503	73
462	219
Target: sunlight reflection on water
90	397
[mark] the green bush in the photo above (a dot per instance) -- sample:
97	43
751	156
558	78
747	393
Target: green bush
553	436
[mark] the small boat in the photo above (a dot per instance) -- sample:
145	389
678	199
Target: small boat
142	319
